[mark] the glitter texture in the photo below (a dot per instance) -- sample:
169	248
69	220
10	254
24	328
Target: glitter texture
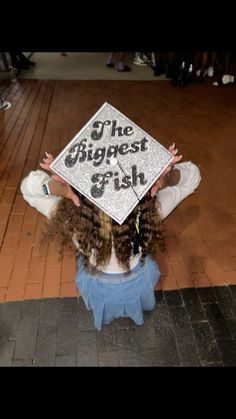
112	161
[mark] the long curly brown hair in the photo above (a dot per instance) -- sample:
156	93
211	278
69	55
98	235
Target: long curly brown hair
96	232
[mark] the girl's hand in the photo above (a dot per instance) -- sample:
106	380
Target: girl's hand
46	165
59	186
161	180
63	189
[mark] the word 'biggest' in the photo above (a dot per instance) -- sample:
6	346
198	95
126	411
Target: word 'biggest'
82	152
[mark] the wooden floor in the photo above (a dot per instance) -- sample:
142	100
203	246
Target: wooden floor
45	115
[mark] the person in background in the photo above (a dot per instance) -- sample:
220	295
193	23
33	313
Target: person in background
4	105
19	61
181	65
141	58
228	70
120	56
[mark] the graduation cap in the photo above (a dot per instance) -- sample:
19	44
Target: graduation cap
112	161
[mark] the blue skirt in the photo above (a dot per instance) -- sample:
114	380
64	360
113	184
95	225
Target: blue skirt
116	295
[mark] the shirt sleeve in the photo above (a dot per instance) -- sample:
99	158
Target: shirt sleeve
32	191
171	196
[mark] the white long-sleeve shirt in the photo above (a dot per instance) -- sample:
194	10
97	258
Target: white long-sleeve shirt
169	198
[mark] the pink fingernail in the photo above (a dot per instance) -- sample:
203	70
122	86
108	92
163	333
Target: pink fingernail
46	154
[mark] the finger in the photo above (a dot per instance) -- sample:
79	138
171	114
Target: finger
155	188
50	156
176	159
71	195
75	199
172	146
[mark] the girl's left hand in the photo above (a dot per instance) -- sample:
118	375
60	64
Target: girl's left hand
66	190
46	166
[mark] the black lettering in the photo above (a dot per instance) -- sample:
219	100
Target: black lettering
114	129
99	155
134	147
125	185
117	184
128	130
96	135
90	153
126	182
124	149
74	152
100	180
143	142
135	176
112	152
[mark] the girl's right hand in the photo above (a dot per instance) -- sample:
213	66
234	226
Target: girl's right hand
161	180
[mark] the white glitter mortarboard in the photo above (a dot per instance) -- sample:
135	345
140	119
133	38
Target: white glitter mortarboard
112	161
